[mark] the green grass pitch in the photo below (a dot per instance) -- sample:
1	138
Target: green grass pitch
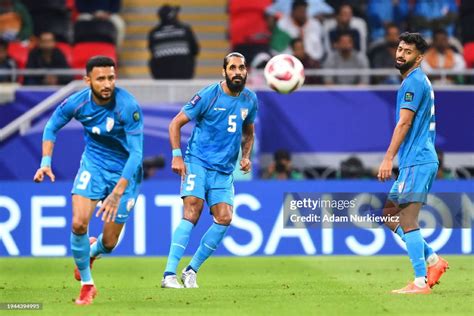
268	286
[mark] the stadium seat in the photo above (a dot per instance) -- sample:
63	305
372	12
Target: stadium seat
66	49
96	30
81	52
19	52
469	54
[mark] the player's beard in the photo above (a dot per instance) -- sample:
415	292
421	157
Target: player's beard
99	96
405	66
235	87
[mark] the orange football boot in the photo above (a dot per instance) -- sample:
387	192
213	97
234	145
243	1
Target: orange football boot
87	295
411	288
436	271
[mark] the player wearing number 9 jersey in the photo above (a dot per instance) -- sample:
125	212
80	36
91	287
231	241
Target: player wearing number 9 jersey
111	165
224	114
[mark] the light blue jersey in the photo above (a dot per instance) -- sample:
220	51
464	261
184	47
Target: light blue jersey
217	136
416	94
113	133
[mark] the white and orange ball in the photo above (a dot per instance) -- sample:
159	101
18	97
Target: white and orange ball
284	73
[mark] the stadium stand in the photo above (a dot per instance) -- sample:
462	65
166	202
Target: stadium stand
19	52
81	52
208	19
66	49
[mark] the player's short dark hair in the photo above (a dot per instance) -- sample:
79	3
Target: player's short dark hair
298	3
99	61
233	54
415	38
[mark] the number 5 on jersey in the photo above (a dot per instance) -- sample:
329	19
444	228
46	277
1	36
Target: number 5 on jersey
190	182
232	123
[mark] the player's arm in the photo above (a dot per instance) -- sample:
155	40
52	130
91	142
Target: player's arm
401	130
248	131
61	116
134	136
177	163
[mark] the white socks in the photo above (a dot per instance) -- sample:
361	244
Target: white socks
91	282
420	282
432	260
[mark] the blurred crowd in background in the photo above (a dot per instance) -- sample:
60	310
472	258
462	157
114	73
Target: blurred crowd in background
337	34
323	34
282	168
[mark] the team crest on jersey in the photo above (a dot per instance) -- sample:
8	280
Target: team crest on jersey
195	99
130	204
409	96
136	116
243	113
110	124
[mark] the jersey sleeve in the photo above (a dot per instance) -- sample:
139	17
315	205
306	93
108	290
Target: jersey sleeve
133	125
412	95
250	119
197	105
61	116
133	119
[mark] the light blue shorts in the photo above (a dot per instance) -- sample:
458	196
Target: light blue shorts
96	183
209	185
413	183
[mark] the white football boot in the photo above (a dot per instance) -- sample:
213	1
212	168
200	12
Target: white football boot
171	282
189	279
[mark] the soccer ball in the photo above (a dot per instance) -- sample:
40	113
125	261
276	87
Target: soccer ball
284	73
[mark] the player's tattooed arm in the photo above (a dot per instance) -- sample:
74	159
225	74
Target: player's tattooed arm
401	130
111	204
247	144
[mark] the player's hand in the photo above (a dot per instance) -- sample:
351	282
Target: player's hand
39	175
178	166
245	165
109	207
385	170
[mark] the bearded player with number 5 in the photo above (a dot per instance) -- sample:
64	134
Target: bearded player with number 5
111	165
224	113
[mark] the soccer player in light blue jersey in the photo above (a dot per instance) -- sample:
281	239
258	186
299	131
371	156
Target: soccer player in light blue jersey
414	141
111	165
224	114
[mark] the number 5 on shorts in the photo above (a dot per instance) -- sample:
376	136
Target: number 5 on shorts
84	179
190	182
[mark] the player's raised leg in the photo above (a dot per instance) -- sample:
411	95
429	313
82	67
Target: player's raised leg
107	241
192	211
82	212
222	213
